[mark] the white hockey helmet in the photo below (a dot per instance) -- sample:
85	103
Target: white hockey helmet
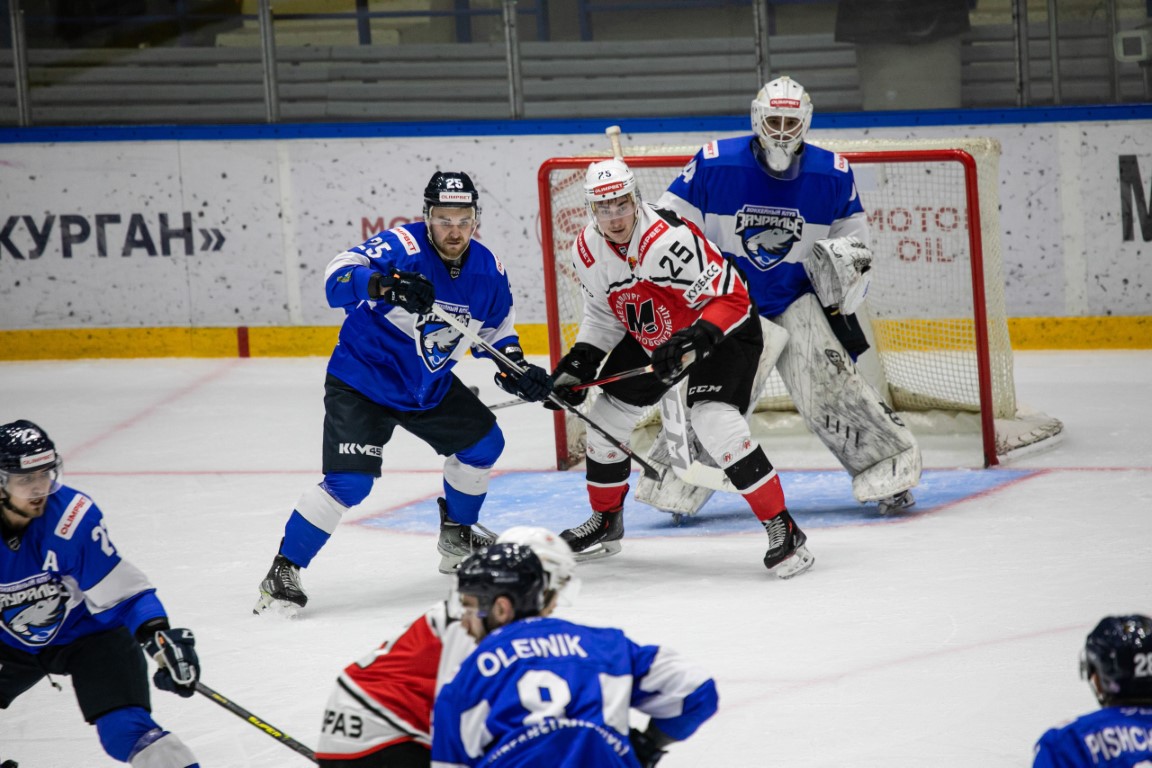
554	553
608	180
781	115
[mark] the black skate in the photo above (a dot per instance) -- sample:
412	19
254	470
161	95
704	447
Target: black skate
598	537
786	556
457	541
897	503
281	592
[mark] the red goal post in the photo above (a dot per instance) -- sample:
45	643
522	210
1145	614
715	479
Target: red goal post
935	314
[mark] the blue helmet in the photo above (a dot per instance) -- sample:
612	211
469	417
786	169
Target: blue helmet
1119	652
504	570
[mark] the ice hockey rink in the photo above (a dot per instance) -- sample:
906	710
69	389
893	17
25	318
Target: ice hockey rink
947	637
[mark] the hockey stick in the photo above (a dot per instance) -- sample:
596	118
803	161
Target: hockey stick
613	133
244	714
685	361
512	365
506	404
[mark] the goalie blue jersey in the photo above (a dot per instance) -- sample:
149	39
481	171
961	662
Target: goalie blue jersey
768	224
66	580
545	691
1112	737
398	359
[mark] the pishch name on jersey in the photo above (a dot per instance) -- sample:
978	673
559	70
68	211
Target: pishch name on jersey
363	450
491	662
755	216
1114	741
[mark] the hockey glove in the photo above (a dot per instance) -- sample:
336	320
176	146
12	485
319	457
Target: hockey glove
649	745
687	345
532	383
410	291
579	366
178	666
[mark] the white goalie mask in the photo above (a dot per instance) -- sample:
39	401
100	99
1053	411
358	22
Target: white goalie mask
609	189
781	115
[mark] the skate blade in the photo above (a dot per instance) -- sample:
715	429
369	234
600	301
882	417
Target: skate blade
800	561
896	505
598	551
449	563
270	606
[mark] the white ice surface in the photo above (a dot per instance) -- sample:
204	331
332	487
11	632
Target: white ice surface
949	639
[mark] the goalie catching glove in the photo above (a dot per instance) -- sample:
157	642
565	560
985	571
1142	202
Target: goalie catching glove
579	366
410	291
840	269
531	383
687	345
177	665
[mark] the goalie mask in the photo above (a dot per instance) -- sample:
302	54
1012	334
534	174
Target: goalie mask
29	465
611	194
781	115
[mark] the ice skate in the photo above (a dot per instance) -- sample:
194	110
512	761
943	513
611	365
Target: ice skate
897	503
457	541
281	592
598	537
786	556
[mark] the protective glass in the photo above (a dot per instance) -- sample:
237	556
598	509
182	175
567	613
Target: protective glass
606	210
443	222
33	485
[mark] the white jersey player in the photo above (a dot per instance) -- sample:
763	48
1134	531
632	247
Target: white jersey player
790	215
379	712
656	290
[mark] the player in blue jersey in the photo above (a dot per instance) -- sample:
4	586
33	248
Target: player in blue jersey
392	367
70	605
790	215
544	691
1117	663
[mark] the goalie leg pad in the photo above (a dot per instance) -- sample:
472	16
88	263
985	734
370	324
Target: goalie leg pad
889	477
835	400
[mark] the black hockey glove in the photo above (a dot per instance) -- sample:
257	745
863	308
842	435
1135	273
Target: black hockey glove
579	366
410	291
533	384
686	346
177	665
648	745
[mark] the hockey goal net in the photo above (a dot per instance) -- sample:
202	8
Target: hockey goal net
935	312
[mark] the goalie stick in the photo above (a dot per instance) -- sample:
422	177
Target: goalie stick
513	366
244	714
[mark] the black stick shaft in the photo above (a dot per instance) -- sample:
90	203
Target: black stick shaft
244	714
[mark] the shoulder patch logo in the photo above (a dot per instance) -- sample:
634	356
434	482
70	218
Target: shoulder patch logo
840	163
75	512
711	150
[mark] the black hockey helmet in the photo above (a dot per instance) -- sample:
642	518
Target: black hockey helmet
1119	651
509	570
26	448
451	189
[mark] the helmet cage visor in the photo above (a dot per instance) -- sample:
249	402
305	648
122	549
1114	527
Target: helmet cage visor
781	123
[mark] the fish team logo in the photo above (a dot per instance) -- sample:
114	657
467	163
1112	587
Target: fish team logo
768	233
33	610
438	340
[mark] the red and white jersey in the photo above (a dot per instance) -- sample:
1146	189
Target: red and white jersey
386	697
668	276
